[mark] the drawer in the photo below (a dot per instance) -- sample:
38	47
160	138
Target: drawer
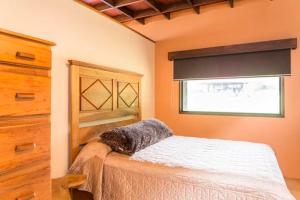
23	145
14	50
23	94
28	184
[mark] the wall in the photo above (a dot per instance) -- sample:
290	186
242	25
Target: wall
86	36
249	21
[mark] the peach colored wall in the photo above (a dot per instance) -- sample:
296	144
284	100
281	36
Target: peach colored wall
249	21
83	35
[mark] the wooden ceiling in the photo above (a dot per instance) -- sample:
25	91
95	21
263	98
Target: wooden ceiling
139	10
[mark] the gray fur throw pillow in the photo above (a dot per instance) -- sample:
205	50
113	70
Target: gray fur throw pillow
135	137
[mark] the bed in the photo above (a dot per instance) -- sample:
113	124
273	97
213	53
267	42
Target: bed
176	168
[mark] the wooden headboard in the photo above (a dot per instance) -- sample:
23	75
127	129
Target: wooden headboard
101	98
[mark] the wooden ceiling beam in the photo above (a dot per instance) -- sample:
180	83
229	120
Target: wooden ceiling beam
145	13
120	3
176	7
109	3
157	8
207	2
168	15
231	3
122	18
173	8
130	14
123	10
195	8
141	21
126	12
185	5
102	7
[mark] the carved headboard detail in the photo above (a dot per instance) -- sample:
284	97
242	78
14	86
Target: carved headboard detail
89	90
101	98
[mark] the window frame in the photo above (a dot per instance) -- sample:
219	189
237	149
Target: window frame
281	103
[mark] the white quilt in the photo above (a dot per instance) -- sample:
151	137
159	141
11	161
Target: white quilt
253	166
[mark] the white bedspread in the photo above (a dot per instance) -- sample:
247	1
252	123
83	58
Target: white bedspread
249	163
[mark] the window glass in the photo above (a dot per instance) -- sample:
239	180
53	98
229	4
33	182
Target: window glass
240	95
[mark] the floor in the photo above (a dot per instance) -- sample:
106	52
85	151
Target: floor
294	186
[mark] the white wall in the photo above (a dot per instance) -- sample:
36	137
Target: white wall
83	35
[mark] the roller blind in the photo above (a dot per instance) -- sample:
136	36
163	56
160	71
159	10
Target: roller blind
234	61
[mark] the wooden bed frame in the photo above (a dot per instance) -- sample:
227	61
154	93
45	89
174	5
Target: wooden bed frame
101	98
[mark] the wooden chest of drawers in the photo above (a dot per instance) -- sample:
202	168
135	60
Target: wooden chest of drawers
25	107
24	51
24	94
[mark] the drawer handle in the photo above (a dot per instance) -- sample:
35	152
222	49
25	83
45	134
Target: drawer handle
25	147
30	196
25	56
25	96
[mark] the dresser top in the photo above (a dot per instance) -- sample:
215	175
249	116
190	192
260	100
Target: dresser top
26	37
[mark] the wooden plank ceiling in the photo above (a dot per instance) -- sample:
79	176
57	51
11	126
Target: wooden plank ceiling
138	10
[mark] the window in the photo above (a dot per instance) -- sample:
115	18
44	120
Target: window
238	96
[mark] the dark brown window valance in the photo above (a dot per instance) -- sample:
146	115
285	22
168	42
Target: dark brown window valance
271	58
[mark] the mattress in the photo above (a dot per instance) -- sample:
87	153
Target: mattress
182	168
